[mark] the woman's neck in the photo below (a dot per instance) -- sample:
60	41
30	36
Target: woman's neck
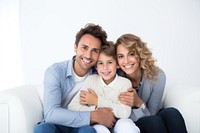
135	78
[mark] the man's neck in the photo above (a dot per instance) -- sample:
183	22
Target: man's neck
78	70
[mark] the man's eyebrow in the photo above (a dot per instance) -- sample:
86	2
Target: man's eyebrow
83	45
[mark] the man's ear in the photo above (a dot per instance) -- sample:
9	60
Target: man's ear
75	48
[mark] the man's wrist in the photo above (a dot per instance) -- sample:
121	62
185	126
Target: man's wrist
93	118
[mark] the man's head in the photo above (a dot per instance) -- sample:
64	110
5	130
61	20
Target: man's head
87	47
94	30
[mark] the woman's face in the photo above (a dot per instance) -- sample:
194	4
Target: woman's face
128	60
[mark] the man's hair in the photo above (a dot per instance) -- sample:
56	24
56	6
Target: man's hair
109	49
94	30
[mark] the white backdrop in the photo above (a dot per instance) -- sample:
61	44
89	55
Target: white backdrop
171	29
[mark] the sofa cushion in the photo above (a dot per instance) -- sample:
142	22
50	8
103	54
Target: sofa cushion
187	100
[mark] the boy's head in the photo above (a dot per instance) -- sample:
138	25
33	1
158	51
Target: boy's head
107	65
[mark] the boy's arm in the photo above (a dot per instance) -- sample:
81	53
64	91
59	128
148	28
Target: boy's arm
75	102
76	106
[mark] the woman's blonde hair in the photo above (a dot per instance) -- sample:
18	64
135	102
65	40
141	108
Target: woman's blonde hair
147	62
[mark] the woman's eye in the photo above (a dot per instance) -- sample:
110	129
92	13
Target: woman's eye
120	56
132	54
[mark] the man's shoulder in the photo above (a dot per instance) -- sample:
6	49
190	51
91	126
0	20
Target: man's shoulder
61	67
62	64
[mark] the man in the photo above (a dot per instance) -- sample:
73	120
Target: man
63	80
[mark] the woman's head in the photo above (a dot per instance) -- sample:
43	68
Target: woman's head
133	55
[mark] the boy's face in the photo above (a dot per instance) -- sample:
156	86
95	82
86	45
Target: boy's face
87	53
106	67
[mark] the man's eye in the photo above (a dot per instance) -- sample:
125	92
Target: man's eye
85	48
96	51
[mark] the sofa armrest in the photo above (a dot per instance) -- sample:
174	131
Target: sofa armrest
187	100
20	109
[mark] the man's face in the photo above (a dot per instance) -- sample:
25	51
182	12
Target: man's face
87	53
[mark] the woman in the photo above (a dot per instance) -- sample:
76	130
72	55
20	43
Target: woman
138	65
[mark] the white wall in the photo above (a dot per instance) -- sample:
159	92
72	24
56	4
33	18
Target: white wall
171	29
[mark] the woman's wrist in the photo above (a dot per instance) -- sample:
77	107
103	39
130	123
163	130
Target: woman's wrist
138	104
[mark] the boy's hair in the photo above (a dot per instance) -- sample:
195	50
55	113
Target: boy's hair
109	49
94	30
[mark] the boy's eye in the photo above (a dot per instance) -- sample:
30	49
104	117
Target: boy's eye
99	63
110	62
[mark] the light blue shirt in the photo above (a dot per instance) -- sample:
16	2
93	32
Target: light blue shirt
58	85
151	93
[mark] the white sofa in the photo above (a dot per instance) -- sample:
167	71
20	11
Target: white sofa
21	107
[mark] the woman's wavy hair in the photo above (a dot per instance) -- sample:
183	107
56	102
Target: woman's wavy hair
147	62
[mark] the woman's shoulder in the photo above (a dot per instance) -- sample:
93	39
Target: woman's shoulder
161	78
161	74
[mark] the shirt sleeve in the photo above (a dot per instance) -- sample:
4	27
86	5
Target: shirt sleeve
53	111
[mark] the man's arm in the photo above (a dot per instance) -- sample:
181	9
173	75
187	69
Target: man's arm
53	110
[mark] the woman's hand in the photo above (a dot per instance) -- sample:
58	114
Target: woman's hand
88	97
130	98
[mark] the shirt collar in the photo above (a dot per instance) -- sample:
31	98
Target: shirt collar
112	84
70	69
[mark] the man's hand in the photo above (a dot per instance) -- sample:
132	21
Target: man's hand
130	98
88	97
103	116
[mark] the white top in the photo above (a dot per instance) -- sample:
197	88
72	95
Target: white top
107	95
79	81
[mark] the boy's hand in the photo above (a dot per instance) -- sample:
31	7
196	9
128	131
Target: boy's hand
88	97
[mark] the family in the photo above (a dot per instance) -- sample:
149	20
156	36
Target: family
107	87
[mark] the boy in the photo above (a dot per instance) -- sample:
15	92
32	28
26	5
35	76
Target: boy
105	89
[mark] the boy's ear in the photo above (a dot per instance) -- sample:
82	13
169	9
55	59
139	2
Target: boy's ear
95	66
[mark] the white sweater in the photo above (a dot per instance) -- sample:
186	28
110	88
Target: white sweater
107	95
